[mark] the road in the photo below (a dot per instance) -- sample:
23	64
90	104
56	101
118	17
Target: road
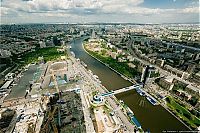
89	77
87	117
162	72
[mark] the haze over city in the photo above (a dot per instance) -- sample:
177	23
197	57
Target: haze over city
87	11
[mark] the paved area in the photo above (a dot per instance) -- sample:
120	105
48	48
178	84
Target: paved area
87	116
89	78
19	90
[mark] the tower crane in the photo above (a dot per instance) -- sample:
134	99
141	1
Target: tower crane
59	94
51	114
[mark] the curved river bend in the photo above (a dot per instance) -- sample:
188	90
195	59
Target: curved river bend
153	118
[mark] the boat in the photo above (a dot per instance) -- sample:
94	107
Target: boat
151	100
133	118
121	101
136	122
83	64
140	91
95	76
129	111
73	54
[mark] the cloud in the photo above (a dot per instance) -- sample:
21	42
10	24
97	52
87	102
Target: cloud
191	10
7	12
88	8
54	5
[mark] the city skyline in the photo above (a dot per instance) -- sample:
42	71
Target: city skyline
88	11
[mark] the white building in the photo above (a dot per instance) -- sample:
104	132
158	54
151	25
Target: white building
93	34
81	33
5	53
42	44
130	58
62	42
71	30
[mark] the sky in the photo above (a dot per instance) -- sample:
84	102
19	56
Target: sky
107	11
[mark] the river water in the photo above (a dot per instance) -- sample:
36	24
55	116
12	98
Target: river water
152	118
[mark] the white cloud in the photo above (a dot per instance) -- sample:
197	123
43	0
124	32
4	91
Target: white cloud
7	12
191	10
86	8
46	5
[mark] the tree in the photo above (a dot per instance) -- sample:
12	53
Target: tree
103	52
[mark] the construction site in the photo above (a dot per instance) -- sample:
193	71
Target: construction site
60	100
48	105
6	118
64	115
64	110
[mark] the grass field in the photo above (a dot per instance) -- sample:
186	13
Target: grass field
121	67
183	113
50	53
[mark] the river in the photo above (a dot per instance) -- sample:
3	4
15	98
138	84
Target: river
152	118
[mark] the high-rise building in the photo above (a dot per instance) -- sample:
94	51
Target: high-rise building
93	34
146	73
81	33
63	43
71	30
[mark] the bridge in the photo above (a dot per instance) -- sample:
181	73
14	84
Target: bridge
120	90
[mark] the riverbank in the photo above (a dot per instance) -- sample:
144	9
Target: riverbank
146	114
182	113
107	65
114	97
123	76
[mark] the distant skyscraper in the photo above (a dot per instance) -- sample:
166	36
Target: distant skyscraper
71	30
81	33
63	43
93	34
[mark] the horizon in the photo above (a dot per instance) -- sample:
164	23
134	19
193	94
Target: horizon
103	23
95	11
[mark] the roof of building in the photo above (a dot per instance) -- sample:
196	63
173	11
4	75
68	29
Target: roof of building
198	74
7	84
169	79
194	88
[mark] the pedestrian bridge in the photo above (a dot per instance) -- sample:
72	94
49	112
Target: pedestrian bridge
120	90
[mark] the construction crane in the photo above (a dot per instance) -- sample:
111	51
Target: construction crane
50	121
51	114
59	94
